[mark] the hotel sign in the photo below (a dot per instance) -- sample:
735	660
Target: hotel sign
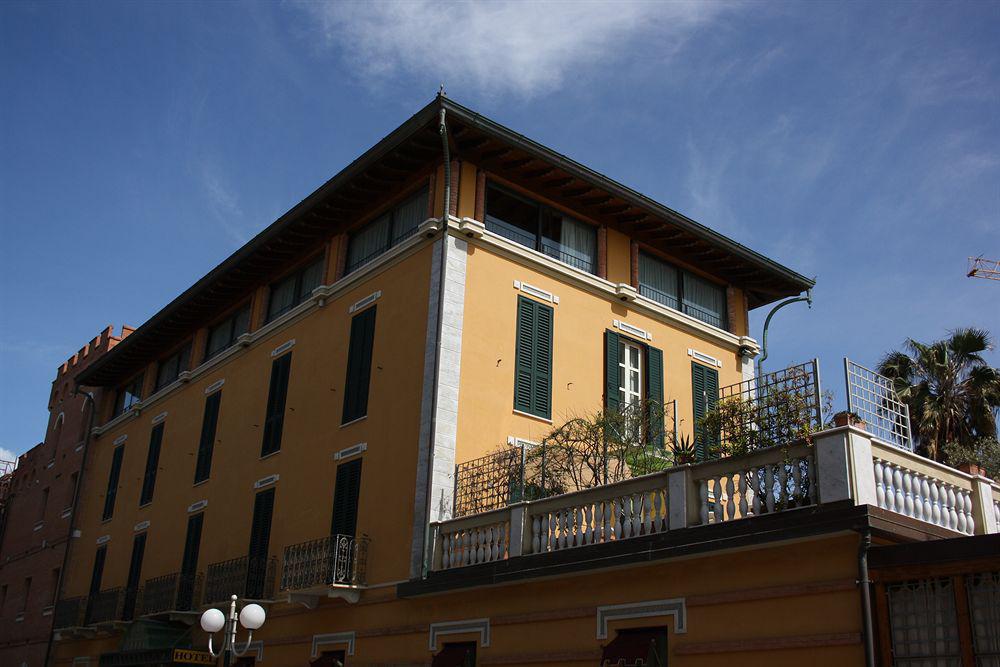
190	657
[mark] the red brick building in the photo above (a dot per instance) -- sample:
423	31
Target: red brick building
36	513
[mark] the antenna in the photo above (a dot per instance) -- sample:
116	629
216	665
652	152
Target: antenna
984	268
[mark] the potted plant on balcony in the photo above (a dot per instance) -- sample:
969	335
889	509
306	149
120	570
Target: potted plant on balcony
683	450
845	418
980	457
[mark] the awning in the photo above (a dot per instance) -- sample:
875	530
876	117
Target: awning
642	647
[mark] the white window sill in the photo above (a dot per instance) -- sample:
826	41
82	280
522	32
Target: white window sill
531	416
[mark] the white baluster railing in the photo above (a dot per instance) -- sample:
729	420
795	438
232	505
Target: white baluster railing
617	511
923	496
482	538
763	483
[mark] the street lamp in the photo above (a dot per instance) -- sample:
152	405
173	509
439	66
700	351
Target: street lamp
251	617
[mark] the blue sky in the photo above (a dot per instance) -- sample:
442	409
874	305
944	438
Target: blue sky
142	143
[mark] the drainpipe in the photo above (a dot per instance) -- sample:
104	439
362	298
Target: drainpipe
767	322
446	151
866	600
88	397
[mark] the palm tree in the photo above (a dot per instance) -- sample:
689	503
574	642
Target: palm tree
952	393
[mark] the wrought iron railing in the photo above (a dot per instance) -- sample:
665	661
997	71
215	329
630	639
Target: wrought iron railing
171	592
69	613
567	255
250	578
105	606
530	471
339	560
872	398
509	231
774	409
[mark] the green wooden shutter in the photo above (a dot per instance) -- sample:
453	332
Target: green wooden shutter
189	563
345	498
533	358
274	421
705	390
260	539
524	362
96	575
359	366
113	478
654	395
612	401
134	572
209	423
542	382
152	464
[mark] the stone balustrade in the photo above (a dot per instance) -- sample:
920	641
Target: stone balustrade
839	464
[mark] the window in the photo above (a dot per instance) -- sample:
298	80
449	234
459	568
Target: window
189	563
209	423
54	580
128	395
42	506
629	373
682	290
345	498
634	379
27	594
224	334
96	575
74	480
705	394
637	646
359	366
541	228
134	573
274	420
293	289
260	537
455	654
923	623
113	476
152	465
386	231
171	367
533	359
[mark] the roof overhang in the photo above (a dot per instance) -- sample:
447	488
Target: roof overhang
385	169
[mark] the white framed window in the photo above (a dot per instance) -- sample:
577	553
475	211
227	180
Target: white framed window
629	373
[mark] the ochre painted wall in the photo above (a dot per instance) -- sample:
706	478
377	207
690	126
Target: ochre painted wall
311	435
486	400
793	592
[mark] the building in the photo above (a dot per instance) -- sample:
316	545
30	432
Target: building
37	513
301	425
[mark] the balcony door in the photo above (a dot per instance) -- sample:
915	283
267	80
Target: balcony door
189	563
260	538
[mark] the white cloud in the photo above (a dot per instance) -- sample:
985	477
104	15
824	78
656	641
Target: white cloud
7	455
222	201
504	47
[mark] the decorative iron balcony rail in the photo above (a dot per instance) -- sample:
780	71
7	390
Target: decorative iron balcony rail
69	613
249	578
171	592
105	606
337	560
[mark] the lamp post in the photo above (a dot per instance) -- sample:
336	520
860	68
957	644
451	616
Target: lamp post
250	617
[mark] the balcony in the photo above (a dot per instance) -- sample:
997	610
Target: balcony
333	566
769	451
248	578
171	594
69	613
105	608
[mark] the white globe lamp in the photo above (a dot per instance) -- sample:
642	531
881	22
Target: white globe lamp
213	620
252	616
